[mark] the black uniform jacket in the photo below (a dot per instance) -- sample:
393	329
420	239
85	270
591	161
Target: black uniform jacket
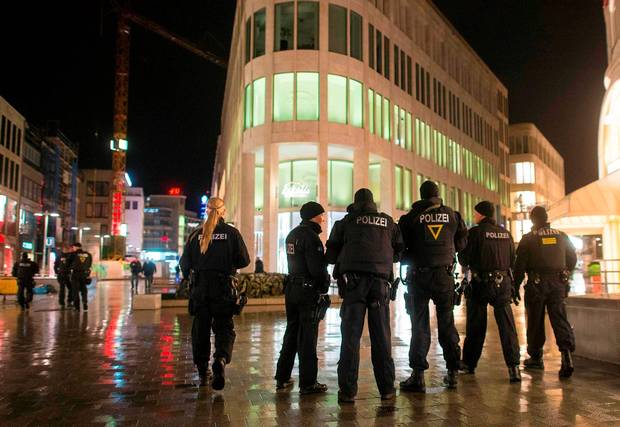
226	254
81	261
544	250
61	264
306	256
432	233
25	270
365	241
489	248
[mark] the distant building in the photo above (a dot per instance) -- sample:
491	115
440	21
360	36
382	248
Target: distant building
134	218
30	234
537	175
164	226
12	128
94	210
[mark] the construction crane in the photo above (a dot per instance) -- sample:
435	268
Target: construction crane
119	144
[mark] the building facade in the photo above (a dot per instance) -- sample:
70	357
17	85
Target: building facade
12	129
325	97
537	175
94	211
164	226
134	218
30	231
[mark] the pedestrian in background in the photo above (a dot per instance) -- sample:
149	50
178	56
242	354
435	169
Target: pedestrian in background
307	279
149	269
136	268
24	270
212	255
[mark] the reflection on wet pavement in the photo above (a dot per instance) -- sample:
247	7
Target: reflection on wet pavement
112	366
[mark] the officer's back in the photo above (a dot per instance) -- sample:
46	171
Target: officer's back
545	250
81	262
25	269
490	248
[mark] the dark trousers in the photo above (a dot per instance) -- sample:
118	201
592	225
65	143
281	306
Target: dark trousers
78	285
550	294
24	292
148	282
223	329
300	336
135	281
64	289
436	285
484	293
364	292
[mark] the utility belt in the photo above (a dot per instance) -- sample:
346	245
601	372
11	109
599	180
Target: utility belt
536	277
448	268
298	280
497	276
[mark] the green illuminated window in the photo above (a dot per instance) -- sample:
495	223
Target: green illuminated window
374	181
340	183
356	103
259	33
297	182
247	120
401	127
406	188
409	142
386	119
307	96
336	99
258	107
371	111
259	174
396	128
418	137
378	115
283	31
398	186
283	96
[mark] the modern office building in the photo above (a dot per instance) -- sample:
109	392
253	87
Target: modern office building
537	175
11	134
134	218
594	210
323	98
94	212
30	232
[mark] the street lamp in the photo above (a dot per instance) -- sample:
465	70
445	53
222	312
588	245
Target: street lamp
46	214
79	230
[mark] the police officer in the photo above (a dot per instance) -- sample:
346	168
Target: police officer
307	279
24	270
212	254
432	233
365	244
62	270
489	255
81	262
136	268
548	257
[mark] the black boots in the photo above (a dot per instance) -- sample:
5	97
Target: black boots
451	378
534	363
280	385
567	364
466	368
218	374
345	398
514	374
314	388
415	383
204	374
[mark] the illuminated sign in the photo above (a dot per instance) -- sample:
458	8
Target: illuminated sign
174	191
124	230
203	206
128	179
151	210
27	245
120	145
295	190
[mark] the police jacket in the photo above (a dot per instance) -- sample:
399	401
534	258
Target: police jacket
226	254
306	256
365	241
135	267
489	248
25	270
81	261
432	233
61	264
544	250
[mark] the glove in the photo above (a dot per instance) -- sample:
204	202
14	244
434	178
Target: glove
516	297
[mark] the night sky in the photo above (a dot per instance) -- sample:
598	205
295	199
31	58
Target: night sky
58	63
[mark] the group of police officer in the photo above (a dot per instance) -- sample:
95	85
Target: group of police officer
363	247
72	270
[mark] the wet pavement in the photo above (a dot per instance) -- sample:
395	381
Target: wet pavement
112	366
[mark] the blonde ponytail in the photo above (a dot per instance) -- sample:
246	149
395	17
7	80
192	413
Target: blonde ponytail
215	211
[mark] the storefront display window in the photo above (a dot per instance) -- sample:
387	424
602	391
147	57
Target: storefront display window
297	182
259	173
286	222
340	182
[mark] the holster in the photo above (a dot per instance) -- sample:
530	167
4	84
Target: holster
322	305
394	288
458	292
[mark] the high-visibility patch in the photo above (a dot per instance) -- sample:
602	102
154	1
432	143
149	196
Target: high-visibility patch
435	230
549	241
290	249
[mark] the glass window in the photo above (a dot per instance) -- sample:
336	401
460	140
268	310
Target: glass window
386	58
356	103
340	183
356	36
248	40
259	33
307	25
283	30
258	107
386	119
337	29
307	96
403	83
371	46
407	188
379	62
374	181
378	114
396	66
337	98
286	222
523	173
396	127
409	142
283	96
297	182
247	122
259	174
371	110
398	186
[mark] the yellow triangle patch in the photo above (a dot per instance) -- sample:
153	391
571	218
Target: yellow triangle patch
435	230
